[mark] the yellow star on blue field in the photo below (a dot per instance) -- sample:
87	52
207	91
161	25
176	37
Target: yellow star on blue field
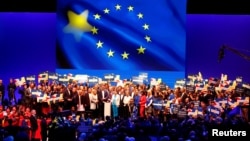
130	8
125	55
148	39
99	44
146	27
106	11
97	17
141	50
140	16
94	30
110	53
78	24
118	7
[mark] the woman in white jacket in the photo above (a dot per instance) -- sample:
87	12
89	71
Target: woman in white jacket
94	103
115	101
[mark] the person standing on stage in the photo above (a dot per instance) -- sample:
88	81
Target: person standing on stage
11	91
79	100
94	103
115	101
2	91
126	102
86	93
121	104
149	103
136	100
33	124
68	97
27	95
142	103
103	96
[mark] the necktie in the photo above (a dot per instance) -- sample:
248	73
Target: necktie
80	100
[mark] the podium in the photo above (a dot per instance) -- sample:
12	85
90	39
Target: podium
107	109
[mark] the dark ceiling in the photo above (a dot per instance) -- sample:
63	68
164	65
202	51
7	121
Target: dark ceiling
193	6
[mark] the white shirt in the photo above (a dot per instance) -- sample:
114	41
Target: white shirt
126	100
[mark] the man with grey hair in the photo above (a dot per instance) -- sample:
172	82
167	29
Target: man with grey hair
33	124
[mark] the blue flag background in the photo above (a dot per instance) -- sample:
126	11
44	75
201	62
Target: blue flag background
122	34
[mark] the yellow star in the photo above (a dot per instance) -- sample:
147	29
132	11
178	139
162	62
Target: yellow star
118	7
99	44
130	8
97	16
78	23
148	39
140	16
141	50
125	55
106	11
146	27
110	53
94	30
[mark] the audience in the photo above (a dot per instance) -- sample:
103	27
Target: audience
137	113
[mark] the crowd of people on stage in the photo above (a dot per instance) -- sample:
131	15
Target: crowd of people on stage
131	106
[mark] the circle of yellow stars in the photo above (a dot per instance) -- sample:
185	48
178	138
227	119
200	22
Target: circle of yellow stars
78	22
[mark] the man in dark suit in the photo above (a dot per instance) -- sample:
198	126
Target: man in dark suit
79	101
44	128
11	91
86	102
68	97
103	96
33	124
2	91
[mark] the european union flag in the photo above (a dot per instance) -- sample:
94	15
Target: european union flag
122	34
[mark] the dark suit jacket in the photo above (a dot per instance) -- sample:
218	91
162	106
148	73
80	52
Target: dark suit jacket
86	99
100	96
2	89
184	96
67	94
33	123
77	99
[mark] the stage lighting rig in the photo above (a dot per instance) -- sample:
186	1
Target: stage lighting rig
221	53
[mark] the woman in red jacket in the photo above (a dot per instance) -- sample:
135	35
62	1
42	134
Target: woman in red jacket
142	103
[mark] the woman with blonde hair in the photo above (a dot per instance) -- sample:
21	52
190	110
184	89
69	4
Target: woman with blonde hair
148	105
115	101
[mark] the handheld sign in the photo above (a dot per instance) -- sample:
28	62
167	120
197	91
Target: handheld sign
180	83
81	78
30	79
109	77
35	93
137	80
63	79
93	80
53	77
